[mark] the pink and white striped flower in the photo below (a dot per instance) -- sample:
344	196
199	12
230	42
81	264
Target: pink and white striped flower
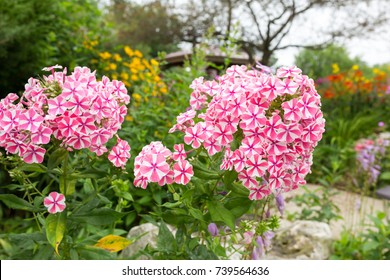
182	172
55	202
154	167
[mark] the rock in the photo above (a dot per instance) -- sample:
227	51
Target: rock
302	240
150	232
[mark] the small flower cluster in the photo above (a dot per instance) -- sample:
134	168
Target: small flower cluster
369	154
265	125
76	109
156	163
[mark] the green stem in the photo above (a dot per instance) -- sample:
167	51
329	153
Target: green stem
65	174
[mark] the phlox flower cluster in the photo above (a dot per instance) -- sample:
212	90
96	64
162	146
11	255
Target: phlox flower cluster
369	154
75	109
266	125
155	163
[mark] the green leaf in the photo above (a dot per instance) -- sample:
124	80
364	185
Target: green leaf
98	217
34	167
196	213
94	253
55	229
56	158
165	241
219	213
67	187
238	189
14	202
171	204
229	177
238	206
385	176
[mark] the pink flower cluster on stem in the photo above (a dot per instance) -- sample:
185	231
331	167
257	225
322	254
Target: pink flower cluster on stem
76	109
266	125
155	163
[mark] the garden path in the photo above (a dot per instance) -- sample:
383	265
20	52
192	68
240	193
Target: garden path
354	209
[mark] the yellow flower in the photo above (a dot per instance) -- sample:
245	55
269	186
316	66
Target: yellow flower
127	83
154	62
114	76
137	97
138	53
124	76
128	51
163	90
105	55
112	66
134	77
117	57
129	118
335	68
355	67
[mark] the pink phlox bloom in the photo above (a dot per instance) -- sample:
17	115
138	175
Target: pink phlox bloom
180	153
10	120
100	137
79	141
276	147
236	70
287	86
246	180
223	108
141	182
227	162
230	122
269	91
253	117
183	172
86	124
197	83
68	126
186	116
239	160
312	133
57	105
117	157
279	179
15	146
99	108
211	88
154	167
212	146
288	72
71	88
259	192
78	104
33	154
290	132
252	146
308	106
238	106
223	135
177	127
274	164
30	120
273	126
197	100
194	135
262	103
256	166
41	136
167	179
124	147
120	91
55	202
232	92
291	110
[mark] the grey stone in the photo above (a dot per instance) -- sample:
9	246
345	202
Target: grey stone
302	240
149	234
